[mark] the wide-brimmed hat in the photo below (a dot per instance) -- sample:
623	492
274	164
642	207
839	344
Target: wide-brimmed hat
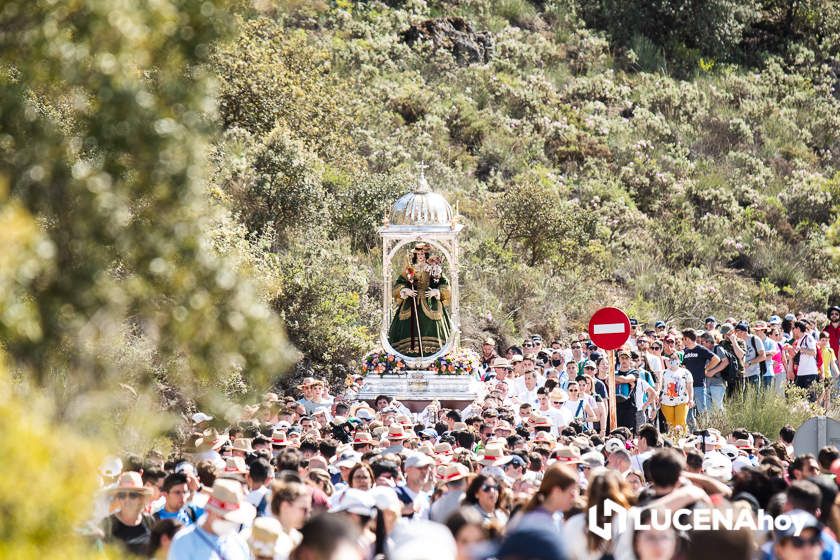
396	432
264	535
363	438
426	448
453	472
242	444
567	454
559	395
227	500
235	465
545	437
210	440
494	456
279	438
501	363
443	448
130	481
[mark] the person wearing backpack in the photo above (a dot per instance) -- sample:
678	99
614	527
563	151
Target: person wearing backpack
625	392
718	376
755	357
734	376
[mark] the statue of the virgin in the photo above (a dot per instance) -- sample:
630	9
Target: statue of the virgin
421	323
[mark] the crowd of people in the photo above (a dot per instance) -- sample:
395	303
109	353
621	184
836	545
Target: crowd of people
522	472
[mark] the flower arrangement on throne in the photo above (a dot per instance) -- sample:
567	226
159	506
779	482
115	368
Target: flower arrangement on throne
421	325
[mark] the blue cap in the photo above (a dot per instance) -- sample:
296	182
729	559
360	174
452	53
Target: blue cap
660	324
742	326
774	320
429	432
710	319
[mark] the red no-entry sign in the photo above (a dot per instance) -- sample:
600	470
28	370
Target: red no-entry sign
609	328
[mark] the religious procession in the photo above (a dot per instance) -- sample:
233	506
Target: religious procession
420	280
594	446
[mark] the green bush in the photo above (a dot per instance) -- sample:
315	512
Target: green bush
762	411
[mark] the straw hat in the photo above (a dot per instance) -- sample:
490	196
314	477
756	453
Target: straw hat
130	481
396	432
227	501
426	448
545	437
210	440
235	465
567	454
501	363
443	448
242	444
559	395
453	472
279	439
264	535
363	438
494	456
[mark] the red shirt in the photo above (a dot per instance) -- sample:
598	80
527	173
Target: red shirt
833	337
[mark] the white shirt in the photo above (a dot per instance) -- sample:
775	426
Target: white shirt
530	397
571	408
560	418
807	364
641	389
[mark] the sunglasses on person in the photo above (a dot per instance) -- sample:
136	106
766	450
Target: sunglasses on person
573	390
557	403
575	346
528	345
128	495
489	488
655	347
801	542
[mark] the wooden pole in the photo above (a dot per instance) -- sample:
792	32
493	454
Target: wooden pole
613	418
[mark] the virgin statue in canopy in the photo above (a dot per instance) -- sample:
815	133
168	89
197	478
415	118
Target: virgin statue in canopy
421	324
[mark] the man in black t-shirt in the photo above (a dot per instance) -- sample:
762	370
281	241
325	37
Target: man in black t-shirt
698	360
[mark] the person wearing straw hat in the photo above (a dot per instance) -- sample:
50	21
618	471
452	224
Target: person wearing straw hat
396	439
130	526
264	535
241	447
454	480
207	446
217	534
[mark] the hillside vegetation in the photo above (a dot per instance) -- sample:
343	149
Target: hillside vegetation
675	158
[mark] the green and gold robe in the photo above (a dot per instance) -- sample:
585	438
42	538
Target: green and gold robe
432	317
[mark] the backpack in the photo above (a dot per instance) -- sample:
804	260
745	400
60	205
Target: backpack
732	372
762	365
